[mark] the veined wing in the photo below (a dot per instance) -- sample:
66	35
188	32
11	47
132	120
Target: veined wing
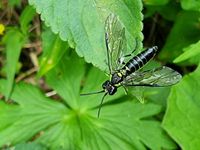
158	77
115	42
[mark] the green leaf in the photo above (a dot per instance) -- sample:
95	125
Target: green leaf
189	52
156	2
124	126
190	4
68	73
182	117
8	113
81	23
26	17
34	114
53	50
28	146
127	124
168	11
181	35
13	40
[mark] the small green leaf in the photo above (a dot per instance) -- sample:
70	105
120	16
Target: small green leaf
53	50
14	40
183	112
190	4
81	23
181	35
26	17
189	52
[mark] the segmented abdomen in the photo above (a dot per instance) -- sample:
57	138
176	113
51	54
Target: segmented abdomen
140	60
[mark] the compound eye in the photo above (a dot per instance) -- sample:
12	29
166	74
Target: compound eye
105	84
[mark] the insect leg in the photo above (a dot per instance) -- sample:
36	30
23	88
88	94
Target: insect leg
125	89
148	85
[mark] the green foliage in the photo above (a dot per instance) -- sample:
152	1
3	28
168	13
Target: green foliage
31	119
156	2
191	51
14	40
26	17
26	123
68	80
83	29
182	117
77	127
168	11
184	32
53	50
190	4
28	146
14	2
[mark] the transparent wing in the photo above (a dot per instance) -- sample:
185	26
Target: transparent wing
115	42
158	77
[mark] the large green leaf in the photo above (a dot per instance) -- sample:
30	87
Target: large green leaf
182	118
81	23
14	40
182	35
127	124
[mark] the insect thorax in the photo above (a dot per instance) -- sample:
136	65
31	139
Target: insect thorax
117	77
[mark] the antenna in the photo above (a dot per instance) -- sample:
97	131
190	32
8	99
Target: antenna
99	110
92	93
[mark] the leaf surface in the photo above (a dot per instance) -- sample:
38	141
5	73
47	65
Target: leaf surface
53	50
192	51
72	123
182	117
156	2
13	40
26	17
81	23
182	34
190	5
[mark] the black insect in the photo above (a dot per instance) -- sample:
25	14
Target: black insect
129	74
